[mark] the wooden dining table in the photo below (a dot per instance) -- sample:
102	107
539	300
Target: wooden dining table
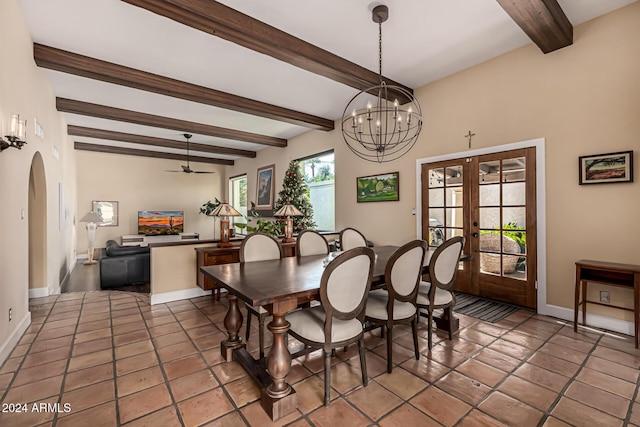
279	286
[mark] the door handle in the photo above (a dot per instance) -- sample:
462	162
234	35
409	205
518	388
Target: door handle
475	234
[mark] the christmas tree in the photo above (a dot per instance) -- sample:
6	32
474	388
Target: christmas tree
296	192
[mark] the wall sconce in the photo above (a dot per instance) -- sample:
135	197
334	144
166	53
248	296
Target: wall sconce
17	136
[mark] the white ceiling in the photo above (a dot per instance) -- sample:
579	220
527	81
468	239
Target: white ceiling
423	40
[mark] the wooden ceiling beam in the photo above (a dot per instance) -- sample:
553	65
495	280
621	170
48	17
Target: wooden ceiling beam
543	21
222	21
146	153
156	142
84	66
111	113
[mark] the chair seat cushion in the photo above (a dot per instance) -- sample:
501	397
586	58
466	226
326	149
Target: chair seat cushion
442	297
309	324
377	306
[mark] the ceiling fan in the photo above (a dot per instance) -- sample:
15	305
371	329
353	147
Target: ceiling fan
186	168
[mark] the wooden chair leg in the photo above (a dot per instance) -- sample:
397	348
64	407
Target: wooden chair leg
327	378
389	349
414	329
450	315
430	329
248	324
363	362
261	334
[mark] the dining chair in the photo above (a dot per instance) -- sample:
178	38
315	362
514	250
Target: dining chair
351	238
397	303
339	319
310	242
258	247
443	268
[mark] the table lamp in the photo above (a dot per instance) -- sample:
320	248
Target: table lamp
91	219
224	211
288	210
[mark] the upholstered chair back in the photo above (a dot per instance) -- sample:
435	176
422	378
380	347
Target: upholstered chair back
403	270
310	242
444	263
345	283
351	238
259	247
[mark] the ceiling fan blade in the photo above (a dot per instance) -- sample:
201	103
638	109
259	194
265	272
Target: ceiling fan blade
166	170
202	172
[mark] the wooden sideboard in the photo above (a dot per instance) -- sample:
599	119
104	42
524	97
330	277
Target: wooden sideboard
610	274
213	255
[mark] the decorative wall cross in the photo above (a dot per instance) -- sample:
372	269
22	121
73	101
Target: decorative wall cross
469	135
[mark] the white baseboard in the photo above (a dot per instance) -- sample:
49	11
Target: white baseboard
39	292
165	297
7	347
593	320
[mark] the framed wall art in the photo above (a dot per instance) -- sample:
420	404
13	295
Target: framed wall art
378	188
265	186
108	211
606	168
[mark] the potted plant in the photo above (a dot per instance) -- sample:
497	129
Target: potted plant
209	207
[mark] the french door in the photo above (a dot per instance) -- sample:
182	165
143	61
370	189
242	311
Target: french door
490	200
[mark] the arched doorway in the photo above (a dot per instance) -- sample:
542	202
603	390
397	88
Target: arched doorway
37	217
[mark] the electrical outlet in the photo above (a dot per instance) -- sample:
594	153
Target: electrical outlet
604	297
10	314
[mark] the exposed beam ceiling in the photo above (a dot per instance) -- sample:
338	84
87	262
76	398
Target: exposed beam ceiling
80	65
111	113
222	21
543	21
145	153
157	142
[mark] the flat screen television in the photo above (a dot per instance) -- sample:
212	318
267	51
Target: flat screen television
155	223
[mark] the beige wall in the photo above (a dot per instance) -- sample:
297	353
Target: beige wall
25	89
140	183
584	99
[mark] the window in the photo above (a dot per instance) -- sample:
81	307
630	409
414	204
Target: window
319	172
238	197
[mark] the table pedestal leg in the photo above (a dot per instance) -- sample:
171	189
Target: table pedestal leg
442	323
279	399
232	323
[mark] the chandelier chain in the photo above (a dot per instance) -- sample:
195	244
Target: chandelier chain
380	50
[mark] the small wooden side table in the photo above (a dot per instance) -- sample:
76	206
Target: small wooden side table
611	274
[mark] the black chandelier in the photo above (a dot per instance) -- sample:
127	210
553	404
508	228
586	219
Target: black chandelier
374	127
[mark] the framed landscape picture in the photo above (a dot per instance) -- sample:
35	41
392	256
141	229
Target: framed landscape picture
606	168
265	187
378	188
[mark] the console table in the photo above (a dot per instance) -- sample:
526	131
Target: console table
611	274
213	255
142	240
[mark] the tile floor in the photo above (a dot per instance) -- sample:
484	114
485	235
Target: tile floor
110	359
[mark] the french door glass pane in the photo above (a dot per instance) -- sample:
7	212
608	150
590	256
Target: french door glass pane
454	217
436	217
490	171
513	169
454	196
436	178
490	218
436	197
454	176
515	216
490	195
514	193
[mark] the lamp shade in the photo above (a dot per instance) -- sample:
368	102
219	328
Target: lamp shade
288	210
91	217
225	209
